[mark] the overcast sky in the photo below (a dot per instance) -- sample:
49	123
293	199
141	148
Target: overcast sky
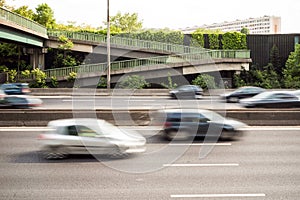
172	14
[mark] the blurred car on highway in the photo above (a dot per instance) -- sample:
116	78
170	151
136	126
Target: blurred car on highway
183	124
272	99
19	101
296	92
2	97
16	88
187	92
22	101
240	93
88	136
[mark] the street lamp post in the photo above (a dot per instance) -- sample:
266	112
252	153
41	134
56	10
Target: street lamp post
108	48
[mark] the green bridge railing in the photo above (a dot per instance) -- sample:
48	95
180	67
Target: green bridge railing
22	21
144	62
128	42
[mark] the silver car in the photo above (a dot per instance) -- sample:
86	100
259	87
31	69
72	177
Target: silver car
88	136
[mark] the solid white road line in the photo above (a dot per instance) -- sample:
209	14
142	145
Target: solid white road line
216	195
201	144
272	128
202	165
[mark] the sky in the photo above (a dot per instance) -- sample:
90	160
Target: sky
173	14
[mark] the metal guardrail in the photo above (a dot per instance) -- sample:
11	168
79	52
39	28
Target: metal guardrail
22	21
120	65
128	42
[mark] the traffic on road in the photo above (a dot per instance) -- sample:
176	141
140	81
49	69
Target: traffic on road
264	164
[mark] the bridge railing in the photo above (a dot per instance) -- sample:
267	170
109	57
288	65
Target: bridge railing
22	21
128	42
121	65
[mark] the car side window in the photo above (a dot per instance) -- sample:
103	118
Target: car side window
203	119
72	131
85	131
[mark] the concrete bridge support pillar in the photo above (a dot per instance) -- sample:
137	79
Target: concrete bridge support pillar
37	57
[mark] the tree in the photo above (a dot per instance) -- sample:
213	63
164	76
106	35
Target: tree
45	16
245	30
275	60
25	12
126	23
291	72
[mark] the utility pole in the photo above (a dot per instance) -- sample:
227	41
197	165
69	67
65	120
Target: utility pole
108	48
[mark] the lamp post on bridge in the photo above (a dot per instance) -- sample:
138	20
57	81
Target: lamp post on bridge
108	48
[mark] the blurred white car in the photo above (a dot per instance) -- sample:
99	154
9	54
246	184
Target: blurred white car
88	136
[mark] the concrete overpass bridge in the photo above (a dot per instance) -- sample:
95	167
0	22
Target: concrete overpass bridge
149	56
161	66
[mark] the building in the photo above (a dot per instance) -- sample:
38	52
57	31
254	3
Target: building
260	25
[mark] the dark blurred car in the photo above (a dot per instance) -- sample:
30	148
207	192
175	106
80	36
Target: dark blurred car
15	88
272	99
182	124
88	136
187	92
240	93
22	101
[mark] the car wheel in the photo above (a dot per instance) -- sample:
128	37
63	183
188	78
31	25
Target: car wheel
118	153
55	152
198	96
233	100
177	135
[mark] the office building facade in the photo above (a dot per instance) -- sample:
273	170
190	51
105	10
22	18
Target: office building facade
260	25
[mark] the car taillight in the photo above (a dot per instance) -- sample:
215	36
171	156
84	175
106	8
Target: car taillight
25	90
167	124
43	137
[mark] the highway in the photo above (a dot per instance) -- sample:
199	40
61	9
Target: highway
123	102
264	164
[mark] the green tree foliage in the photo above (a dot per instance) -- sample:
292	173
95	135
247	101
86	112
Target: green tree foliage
170	84
39	79
72	76
53	82
125	23
275	60
12	75
245	31
265	78
164	36
234	40
205	81
63	57
197	39
25	12
134	82
291	72
102	83
214	41
66	43
45	16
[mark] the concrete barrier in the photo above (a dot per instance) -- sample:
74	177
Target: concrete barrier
142	117
97	92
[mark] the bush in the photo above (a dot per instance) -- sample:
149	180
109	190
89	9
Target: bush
134	82
54	82
72	76
205	81
39	79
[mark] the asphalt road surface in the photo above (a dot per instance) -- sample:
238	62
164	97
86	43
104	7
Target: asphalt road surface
264	164
146	102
